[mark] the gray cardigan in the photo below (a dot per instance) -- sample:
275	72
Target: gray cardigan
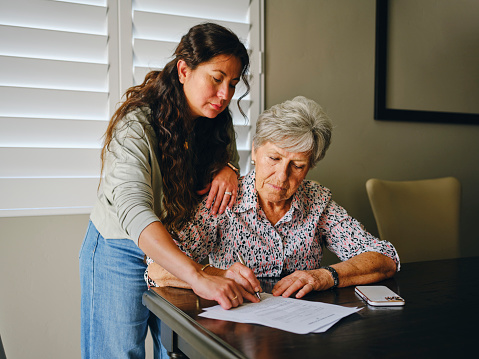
131	193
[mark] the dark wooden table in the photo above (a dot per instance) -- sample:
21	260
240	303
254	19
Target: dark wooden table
440	319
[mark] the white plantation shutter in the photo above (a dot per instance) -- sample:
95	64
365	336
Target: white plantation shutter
53	105
63	68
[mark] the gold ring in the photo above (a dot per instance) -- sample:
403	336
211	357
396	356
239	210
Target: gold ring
236	297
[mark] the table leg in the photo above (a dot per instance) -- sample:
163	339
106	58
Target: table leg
169	340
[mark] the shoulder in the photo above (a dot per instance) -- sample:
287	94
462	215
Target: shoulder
313	191
246	198
140	116
314	196
136	123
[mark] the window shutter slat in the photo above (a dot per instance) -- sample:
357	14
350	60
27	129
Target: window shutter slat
139	72
49	162
154	26
245	157
51	133
242	138
152	54
54	15
232	10
52	103
51	44
53	74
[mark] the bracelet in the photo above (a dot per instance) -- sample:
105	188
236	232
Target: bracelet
234	169
334	274
205	266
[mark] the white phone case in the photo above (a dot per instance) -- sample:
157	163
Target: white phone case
379	295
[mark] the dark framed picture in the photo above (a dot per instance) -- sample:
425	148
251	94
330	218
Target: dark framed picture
427	61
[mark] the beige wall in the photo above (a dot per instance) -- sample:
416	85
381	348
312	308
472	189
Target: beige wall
40	286
324	49
320	49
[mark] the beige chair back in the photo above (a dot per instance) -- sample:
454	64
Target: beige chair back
420	218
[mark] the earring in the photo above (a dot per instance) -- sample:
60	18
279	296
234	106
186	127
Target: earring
253	162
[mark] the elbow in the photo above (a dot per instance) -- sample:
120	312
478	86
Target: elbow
384	266
389	267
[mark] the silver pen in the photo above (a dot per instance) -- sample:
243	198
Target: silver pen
241	260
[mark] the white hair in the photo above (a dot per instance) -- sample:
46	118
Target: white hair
297	125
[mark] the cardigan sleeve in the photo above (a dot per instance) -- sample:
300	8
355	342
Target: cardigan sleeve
128	177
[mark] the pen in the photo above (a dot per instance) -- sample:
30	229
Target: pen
241	260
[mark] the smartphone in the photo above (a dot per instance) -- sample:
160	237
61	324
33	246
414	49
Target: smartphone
379	295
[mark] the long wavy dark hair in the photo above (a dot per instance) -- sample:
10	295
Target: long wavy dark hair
190	152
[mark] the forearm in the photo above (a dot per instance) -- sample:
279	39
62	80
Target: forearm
163	278
369	267
156	243
239	273
364	268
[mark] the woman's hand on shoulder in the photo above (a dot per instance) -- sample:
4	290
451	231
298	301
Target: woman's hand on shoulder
303	282
223	191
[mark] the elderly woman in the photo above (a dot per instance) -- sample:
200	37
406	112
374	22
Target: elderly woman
280	221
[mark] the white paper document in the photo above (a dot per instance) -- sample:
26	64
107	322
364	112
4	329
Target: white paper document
289	314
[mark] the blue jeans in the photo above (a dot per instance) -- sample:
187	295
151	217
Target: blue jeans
114	322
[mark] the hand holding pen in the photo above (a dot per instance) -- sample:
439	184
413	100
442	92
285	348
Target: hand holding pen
241	260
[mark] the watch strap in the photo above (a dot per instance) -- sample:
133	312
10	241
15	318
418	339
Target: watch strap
334	274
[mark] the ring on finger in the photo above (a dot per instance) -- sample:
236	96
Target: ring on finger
236	297
228	193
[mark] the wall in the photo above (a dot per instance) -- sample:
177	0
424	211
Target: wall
324	50
40	286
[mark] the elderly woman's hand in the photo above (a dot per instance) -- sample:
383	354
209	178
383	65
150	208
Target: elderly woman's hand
303	282
222	191
245	284
244	277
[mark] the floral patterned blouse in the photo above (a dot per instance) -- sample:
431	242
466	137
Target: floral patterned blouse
294	243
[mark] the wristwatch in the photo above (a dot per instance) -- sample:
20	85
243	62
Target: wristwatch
334	274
